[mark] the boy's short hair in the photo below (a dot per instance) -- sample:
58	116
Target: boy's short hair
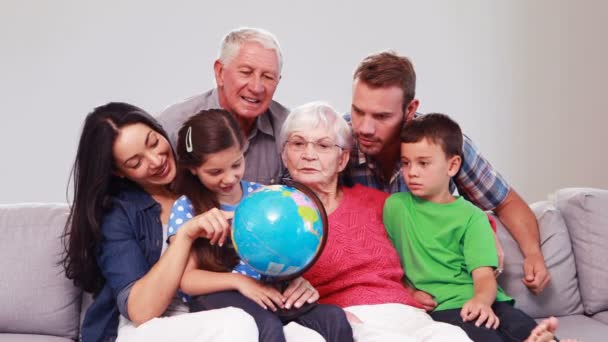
438	128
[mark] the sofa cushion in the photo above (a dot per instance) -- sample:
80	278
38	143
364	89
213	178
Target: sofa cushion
601	316
586	214
556	248
32	338
35	295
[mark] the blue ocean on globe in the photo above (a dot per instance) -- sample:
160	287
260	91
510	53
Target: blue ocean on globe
277	230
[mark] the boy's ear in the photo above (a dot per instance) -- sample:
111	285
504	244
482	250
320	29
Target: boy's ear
192	171
454	163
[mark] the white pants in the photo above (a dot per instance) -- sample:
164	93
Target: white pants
228	324
399	322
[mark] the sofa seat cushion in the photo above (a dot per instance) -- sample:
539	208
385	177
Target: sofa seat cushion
601	316
35	295
581	328
586	214
32	338
562	296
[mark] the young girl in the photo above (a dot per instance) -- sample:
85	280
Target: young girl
210	169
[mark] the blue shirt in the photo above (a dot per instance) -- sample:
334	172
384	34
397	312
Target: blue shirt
132	240
477	180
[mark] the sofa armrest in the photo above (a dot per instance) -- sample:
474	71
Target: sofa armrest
35	295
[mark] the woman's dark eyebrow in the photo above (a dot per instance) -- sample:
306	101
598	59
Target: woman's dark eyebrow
148	137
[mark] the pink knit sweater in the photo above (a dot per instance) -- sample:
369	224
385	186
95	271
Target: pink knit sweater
359	264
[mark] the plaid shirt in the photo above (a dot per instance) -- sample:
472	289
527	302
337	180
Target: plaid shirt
477	180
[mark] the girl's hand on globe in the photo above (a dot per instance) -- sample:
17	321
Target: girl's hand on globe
212	224
298	292
265	295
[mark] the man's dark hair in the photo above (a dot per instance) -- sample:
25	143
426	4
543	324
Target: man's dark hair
388	69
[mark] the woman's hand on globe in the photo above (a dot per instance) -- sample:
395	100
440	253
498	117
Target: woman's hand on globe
212	224
298	292
265	295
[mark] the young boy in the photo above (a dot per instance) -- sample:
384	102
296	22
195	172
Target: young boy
445	243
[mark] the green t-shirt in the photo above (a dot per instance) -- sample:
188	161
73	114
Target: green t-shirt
440	245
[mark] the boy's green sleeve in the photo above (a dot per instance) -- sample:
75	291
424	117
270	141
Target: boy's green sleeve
479	246
388	216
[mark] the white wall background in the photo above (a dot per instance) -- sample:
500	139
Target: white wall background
526	79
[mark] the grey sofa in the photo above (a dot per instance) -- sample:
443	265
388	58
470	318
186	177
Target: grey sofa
37	302
574	239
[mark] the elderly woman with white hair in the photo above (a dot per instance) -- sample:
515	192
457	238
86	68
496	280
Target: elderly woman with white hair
359	269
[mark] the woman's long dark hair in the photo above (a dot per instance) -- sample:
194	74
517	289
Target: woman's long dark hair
207	132
95	183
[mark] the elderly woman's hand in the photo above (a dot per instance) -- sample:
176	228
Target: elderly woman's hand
298	292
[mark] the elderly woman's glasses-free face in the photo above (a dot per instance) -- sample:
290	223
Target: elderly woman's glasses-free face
320	146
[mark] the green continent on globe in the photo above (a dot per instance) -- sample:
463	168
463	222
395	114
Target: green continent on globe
308	213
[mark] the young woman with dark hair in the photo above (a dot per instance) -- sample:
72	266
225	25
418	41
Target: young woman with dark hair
114	236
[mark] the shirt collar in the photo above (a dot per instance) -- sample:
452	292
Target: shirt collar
359	157
135	196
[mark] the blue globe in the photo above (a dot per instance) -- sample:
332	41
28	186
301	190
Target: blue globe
279	230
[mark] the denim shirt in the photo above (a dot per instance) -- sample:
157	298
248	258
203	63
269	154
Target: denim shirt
131	243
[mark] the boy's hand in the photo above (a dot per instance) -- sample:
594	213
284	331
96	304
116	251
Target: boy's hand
476	310
265	295
427	301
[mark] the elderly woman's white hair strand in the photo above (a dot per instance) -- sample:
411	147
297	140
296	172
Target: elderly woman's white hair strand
312	115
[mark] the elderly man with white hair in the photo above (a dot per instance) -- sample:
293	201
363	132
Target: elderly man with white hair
247	73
